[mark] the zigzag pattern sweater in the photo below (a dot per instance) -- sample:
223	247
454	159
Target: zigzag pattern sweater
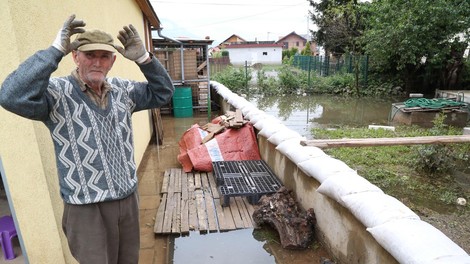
94	146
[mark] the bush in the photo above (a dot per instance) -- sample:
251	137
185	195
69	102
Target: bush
267	85
235	79
437	159
333	84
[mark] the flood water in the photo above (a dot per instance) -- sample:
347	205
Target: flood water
302	113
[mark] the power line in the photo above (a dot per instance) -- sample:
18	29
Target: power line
283	7
223	4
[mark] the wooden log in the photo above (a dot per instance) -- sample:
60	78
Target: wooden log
280	210
373	142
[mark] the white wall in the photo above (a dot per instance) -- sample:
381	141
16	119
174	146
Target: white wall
238	56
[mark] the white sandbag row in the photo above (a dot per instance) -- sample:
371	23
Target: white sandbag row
414	241
393	225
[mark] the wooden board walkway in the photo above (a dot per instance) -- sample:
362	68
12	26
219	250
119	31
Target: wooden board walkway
191	202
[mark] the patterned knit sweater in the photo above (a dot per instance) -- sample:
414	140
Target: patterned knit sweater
93	146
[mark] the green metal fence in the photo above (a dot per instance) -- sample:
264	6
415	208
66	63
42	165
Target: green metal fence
326	66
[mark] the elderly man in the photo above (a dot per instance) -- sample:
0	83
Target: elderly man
89	117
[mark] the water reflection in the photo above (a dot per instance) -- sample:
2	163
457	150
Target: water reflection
302	113
232	247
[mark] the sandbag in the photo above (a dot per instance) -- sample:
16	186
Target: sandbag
415	242
321	167
340	185
375	208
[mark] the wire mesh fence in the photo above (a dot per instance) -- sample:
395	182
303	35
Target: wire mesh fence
326	66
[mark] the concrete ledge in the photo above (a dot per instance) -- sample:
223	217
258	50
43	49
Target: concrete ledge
466	130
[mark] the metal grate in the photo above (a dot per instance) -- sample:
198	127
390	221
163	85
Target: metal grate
251	178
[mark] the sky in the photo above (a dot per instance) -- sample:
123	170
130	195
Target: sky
219	19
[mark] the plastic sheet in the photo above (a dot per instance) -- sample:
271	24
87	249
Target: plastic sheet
231	144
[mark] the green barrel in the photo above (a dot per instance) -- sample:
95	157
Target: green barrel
183	102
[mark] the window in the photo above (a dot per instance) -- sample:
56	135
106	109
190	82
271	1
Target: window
297	44
265	53
286	45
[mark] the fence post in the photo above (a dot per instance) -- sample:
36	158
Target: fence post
246	75
350	70
366	69
327	65
309	61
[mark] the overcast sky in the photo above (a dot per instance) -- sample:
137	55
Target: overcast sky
219	19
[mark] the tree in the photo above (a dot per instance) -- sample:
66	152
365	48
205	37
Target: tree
340	26
306	50
412	36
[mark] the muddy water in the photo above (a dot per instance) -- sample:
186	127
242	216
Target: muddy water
302	113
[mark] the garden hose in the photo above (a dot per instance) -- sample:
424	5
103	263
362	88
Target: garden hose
435	103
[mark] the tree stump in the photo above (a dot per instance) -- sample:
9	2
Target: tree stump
280	210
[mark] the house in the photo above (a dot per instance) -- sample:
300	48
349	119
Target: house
294	40
233	39
255	52
27	163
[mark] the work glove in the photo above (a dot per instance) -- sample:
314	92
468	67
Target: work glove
134	48
62	41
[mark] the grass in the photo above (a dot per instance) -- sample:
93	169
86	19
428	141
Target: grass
402	171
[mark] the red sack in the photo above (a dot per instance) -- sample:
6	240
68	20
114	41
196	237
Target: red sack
231	144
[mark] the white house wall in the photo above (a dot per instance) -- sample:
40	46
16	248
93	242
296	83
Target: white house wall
238	56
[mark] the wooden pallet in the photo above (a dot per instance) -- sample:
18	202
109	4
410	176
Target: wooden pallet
191	202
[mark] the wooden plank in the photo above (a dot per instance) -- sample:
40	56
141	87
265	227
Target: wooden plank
171	183
247	223
176	217
171	203
373	142
166	180
167	220
210	209
237	219
197	181
184	204
251	210
213	185
157	125
238	116
202	66
177	183
224	215
158	227
201	210
193	222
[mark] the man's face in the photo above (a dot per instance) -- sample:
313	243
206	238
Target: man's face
93	66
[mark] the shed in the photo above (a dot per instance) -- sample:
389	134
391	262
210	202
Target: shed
187	62
255	52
